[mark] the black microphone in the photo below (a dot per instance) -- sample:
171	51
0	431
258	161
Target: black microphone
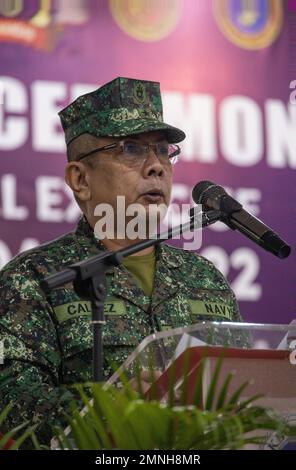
214	197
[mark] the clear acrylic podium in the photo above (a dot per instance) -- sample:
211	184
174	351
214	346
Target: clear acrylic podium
261	354
163	347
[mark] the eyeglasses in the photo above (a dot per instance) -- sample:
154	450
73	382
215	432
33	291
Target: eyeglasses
134	152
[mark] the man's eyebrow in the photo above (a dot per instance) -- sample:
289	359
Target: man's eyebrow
136	138
130	137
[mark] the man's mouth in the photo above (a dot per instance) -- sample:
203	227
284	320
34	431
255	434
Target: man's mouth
153	195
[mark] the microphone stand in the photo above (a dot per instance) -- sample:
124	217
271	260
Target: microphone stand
89	279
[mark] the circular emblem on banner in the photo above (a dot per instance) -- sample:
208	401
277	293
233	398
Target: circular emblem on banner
146	20
38	23
250	24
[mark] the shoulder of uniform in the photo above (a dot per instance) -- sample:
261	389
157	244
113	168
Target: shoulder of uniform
194	266
42	255
192	257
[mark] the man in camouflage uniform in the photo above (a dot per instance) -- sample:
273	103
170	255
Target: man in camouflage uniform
48	338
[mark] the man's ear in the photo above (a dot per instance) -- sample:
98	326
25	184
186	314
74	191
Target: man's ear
78	179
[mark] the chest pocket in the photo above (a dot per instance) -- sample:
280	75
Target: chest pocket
73	321
79	308
211	309
211	305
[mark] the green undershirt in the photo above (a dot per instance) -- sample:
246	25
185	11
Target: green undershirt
142	267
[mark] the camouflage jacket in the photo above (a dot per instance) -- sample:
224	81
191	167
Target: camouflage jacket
48	339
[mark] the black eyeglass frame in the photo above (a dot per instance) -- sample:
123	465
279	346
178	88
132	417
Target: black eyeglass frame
120	143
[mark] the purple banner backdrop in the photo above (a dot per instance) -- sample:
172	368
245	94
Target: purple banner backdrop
224	69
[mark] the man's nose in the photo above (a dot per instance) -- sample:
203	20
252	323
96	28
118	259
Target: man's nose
152	165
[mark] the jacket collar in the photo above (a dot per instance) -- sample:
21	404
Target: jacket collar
164	253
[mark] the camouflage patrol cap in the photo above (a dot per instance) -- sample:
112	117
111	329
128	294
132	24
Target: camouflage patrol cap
124	106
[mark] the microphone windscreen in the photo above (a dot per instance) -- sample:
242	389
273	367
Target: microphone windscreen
199	189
